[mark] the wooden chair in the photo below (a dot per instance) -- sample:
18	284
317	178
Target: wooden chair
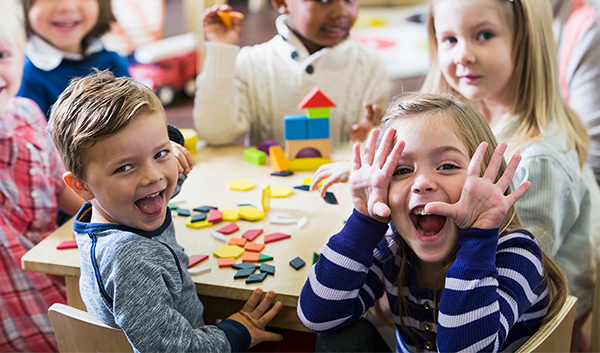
80	331
554	335
596	316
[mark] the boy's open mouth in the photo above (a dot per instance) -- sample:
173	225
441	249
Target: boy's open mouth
426	224
151	205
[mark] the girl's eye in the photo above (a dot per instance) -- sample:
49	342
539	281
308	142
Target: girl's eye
449	40
123	169
4	54
401	171
485	36
160	154
447	166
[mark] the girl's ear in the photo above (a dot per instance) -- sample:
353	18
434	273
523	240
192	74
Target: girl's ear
280	6
78	186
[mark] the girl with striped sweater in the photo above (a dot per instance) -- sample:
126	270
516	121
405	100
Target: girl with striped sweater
434	228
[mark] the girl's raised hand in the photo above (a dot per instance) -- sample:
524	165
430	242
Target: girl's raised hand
482	203
332	173
216	31
370	177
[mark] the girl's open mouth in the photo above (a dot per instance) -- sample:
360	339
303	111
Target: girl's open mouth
427	224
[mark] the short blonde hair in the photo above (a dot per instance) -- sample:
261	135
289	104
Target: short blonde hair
92	108
12	32
534	81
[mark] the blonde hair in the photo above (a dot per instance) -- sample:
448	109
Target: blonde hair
534	81
12	32
471	128
92	108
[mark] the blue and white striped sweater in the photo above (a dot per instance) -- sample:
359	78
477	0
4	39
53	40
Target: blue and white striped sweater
494	296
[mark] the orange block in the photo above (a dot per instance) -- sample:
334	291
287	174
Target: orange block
227	17
238	241
255	247
250	257
278	161
227	261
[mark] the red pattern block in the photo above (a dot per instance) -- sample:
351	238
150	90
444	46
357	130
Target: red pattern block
252	234
228	229
67	244
214	216
275	237
196	259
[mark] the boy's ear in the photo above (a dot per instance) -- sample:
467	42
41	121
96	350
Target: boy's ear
78	186
280	6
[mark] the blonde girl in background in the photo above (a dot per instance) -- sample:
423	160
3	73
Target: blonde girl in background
459	270
501	55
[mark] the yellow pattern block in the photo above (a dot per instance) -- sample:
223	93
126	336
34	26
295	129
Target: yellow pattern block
281	191
250	213
304	164
266	198
230	215
228	251
198	225
241	185
308	181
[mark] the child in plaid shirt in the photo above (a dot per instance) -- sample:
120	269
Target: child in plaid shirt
31	189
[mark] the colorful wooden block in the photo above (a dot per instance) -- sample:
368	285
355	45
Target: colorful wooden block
283	174
250	213
307	164
297	263
229	214
302	222
197	217
252	234
226	261
255	156
302	187
293	148
183	212
255	247
172	207
214	216
227	17
228	251
256	278
244	273
318	128
238	241
245	265
67	244
318	113
269	269
281	191
295	127
228	229
315	257
196	259
276	237
198	270
265	145
315	99
250	257
264	258
278	161
266	198
218	236
205	209
330	198
241	185
198	225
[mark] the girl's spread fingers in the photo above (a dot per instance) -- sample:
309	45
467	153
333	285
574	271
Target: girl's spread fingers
492	169
517	194
475	165
392	161
252	301
384	148
370	148
509	173
356	164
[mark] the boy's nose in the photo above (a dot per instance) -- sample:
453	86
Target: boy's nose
151	176
341	8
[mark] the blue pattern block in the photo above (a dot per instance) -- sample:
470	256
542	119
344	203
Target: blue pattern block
296	127
318	128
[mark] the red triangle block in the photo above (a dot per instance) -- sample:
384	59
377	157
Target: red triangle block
252	234
196	259
214	216
275	237
228	229
316	99
67	244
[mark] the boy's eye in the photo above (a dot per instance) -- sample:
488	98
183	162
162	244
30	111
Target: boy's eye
485	36
401	171
123	169
447	166
323	1
160	154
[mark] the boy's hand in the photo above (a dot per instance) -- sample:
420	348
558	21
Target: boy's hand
185	163
360	131
216	31
255	317
482	203
370	177
332	173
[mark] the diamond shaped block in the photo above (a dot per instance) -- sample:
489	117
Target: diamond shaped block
218	236
256	278
252	234
198	217
330	198
275	237
297	263
183	212
269	269
245	265
228	251
204	209
244	273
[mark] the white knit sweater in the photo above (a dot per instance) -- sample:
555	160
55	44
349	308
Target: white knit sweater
252	90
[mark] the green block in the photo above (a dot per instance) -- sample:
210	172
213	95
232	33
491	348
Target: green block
255	156
315	258
316	113
173	207
263	258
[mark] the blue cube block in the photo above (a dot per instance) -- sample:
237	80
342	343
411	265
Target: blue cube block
318	128
296	127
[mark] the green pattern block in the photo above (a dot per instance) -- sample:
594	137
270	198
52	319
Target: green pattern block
316	113
255	156
263	258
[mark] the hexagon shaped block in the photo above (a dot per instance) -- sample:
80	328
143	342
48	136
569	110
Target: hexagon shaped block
228	251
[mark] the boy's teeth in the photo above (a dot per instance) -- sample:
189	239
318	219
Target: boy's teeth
153	195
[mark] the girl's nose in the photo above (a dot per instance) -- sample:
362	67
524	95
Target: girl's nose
423	183
464	54
67	4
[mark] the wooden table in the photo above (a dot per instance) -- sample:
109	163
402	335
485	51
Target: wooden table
207	185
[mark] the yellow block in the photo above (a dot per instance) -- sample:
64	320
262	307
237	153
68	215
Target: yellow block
230	214
266	198
308	181
303	164
281	191
198	225
241	185
191	139
250	213
228	251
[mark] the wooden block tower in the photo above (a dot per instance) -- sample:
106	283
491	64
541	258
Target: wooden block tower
307	139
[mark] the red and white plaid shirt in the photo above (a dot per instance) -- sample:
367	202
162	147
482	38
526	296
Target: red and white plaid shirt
30	179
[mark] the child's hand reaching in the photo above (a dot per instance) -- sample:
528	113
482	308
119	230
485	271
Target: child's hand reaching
482	203
185	162
360	131
255	316
370	177
332	173
216	31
